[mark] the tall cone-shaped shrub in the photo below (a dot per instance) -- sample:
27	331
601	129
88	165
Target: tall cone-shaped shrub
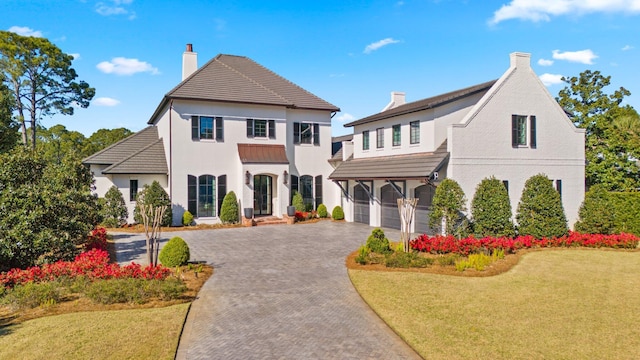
229	210
597	214
491	209
540	212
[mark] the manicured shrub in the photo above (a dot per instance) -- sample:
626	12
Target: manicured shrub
175	253
113	209
298	202
627	211
378	242
540	212
491	209
187	218
229	210
337	213
97	239
31	295
156	196
322	211
448	203
406	260
596	215
363	255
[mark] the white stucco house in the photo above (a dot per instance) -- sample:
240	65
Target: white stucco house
510	128
230	125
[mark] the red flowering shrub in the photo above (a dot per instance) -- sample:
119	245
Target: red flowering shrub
470	245
94	264
301	216
97	239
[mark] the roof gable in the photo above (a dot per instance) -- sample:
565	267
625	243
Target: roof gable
123	148
238	79
149	160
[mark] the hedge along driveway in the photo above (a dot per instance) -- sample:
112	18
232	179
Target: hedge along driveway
279	291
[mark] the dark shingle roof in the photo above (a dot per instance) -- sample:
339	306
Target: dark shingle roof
238	79
398	167
262	154
140	153
424	104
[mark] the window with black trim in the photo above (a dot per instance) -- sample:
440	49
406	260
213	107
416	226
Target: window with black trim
365	140
519	126
133	190
207	127
559	186
414	136
397	135
380	138
506	185
306	133
261	128
201	194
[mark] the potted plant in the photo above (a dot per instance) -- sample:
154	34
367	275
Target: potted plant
248	213
291	210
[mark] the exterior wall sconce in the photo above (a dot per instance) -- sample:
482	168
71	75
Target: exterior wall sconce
247	178
285	177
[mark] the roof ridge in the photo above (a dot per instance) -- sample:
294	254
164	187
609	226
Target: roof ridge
130	137
251	79
132	155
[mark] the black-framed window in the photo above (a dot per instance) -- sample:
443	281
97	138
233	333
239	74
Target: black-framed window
306	189
506	185
261	128
365	140
414	136
397	135
306	133
133	189
318	190
559	186
201	194
380	138
295	187
519	126
207	127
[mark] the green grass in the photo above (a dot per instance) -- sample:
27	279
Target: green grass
566	304
116	334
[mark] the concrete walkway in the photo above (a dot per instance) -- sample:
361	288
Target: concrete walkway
279	292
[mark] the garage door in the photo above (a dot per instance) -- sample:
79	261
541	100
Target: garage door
390	217
361	204
424	194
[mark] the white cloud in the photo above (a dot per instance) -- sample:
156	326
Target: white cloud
545	62
345	117
543	10
551	79
25	31
378	44
115	7
76	56
627	47
124	66
105	101
581	56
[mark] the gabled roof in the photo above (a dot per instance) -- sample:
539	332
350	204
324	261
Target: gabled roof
396	167
262	154
140	153
425	104
238	79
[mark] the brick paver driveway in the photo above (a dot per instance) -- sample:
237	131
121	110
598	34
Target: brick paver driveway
279	292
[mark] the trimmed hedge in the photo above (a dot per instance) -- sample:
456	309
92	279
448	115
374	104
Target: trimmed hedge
322	211
298	202
540	212
337	213
155	195
626	207
113	209
229	210
597	214
491	209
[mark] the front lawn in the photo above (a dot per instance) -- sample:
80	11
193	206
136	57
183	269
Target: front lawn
117	334
578	303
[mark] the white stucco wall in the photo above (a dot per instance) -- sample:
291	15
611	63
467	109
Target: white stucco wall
481	146
189	157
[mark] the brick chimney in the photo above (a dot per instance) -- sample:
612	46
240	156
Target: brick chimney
189	62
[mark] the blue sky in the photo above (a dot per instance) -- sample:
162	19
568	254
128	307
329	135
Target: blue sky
350	53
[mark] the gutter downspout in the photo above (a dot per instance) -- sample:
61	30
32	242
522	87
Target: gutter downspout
170	155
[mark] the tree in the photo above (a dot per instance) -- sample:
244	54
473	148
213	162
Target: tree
448	204
46	211
612	132
41	79
156	196
491	209
56	143
8	128
229	209
103	138
540	212
113	208
597	213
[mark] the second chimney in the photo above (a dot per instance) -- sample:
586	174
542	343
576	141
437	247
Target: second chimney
189	62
